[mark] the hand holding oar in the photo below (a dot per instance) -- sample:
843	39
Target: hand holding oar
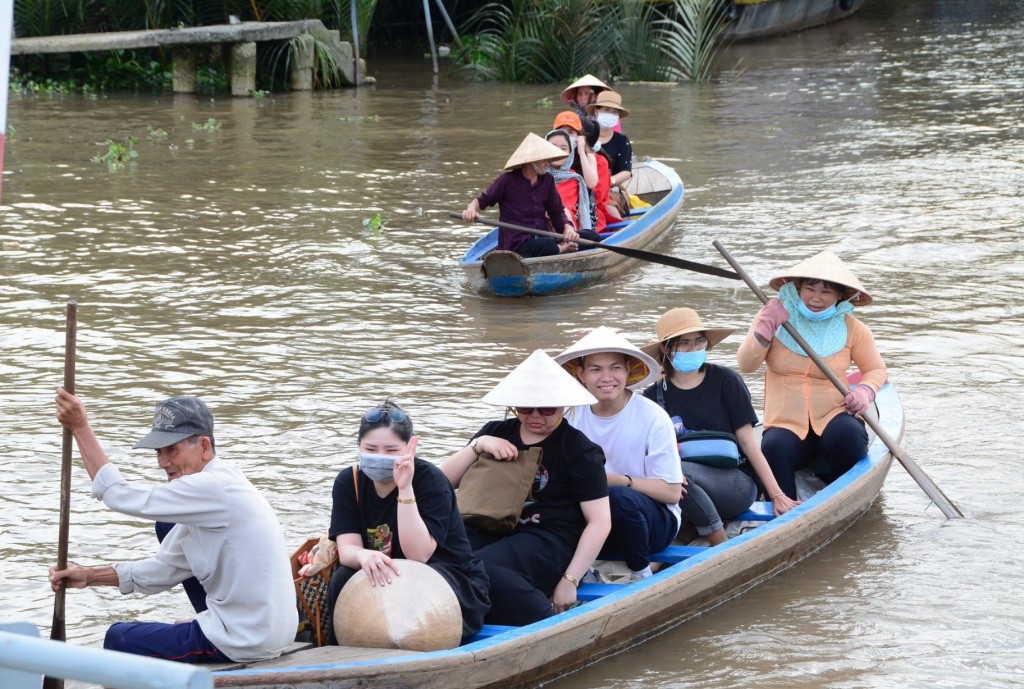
57	628
649	256
929	487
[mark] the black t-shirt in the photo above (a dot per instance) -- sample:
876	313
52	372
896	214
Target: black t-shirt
720	403
571	471
376	518
620	153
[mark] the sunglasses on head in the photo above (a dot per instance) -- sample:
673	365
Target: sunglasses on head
543	411
378	414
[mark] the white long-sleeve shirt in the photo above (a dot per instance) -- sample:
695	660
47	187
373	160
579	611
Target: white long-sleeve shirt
228	537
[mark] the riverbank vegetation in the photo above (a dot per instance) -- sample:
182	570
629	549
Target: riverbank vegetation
528	41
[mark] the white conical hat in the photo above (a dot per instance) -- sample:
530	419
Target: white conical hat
643	369
826	266
569	92
533	150
539	382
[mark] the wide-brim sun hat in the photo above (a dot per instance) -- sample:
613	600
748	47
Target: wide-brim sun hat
682	321
539	382
587	80
827	266
643	368
608	99
534	149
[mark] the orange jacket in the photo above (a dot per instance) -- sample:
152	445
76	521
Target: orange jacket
797	395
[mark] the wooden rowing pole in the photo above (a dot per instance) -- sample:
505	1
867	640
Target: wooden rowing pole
931	490
58	630
641	254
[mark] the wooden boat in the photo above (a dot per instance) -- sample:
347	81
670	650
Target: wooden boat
613	617
753	19
507	274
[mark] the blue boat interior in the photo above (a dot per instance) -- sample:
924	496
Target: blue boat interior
589	591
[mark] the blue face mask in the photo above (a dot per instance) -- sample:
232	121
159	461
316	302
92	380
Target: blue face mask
380	468
816	315
684	362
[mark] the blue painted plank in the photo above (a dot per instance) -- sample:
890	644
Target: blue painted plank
758	512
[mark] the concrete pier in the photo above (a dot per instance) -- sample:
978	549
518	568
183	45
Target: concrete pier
184	44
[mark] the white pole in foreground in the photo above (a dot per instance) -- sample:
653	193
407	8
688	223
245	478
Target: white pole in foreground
6	31
25	658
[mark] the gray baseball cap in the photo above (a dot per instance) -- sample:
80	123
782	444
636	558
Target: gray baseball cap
176	419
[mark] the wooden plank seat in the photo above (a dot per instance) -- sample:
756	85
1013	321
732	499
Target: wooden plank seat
295	647
757	512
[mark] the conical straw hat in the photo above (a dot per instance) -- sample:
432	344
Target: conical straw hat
533	150
539	382
643	369
826	266
588	80
682	321
417	611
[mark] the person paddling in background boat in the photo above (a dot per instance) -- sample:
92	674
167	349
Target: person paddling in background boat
808	423
225	534
526	195
607	109
642	461
399	506
571	186
535	569
701	396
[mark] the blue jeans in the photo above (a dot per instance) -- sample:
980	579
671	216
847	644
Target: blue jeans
843	443
713	495
640	526
183	642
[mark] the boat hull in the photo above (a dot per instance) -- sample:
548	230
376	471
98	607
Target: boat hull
760	19
542	651
497	273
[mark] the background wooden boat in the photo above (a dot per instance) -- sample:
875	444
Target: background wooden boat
752	19
507	274
615	616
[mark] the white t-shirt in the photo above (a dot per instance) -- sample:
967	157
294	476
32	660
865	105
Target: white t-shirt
229	538
639	441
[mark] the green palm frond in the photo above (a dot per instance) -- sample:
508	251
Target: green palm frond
689	39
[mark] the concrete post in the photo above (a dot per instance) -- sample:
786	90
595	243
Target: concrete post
243	68
183	62
301	77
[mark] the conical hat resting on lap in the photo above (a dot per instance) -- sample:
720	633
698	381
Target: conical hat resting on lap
417	611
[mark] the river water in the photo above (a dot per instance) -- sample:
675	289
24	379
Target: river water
235	264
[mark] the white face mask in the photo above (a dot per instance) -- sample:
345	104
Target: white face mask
607	119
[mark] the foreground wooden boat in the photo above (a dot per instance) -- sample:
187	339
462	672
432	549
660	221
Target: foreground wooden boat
752	19
507	274
613	617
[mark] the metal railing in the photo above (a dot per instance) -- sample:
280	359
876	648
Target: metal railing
25	659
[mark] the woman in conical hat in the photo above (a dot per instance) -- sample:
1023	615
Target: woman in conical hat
807	422
644	477
397	506
701	396
582	92
534	571
525	194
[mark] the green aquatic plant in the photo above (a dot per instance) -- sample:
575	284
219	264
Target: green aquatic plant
118	155
155	132
211	125
689	37
375	223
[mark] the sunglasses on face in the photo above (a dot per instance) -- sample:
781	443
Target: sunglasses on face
543	411
377	414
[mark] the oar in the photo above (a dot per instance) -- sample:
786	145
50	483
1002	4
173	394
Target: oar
929	487
57	629
624	250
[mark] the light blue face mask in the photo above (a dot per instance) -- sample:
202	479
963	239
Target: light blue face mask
684	362
380	468
816	315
